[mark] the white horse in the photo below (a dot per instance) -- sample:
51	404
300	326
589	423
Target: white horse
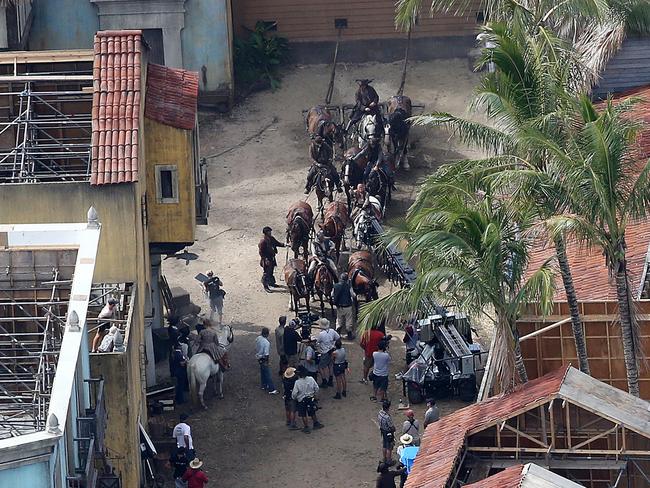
201	368
368	126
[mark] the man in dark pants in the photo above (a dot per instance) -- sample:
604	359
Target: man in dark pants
268	248
290	340
322	155
366	101
179	371
179	463
343	298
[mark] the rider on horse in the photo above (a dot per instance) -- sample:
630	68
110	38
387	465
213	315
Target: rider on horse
322	154
209	344
376	160
366	102
322	249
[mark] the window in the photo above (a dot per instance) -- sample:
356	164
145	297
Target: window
166	183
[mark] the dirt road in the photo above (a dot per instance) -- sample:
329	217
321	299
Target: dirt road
243	439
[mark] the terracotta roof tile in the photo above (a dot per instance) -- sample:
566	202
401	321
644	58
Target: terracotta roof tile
508	478
590	274
116	107
442	442
171	96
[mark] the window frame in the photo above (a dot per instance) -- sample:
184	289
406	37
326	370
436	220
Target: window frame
173	168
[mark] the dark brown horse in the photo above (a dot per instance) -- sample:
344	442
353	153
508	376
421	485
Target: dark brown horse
323	286
321	123
295	276
335	221
352	171
361	272
300	219
399	109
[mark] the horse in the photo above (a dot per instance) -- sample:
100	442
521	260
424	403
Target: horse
352	171
380	183
397	129
295	276
323	286
335	220
361	272
363	220
300	219
324	186
319	122
371	125
202	367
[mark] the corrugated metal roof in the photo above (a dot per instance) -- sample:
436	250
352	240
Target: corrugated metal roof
171	96
442	441
116	107
526	476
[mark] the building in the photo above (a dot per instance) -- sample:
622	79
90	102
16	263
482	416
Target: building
547	342
192	34
82	128
577	427
367	29
52	409
525	476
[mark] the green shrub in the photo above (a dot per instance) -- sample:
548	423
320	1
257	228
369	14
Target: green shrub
258	57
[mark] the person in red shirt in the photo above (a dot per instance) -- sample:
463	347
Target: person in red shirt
369	343
194	476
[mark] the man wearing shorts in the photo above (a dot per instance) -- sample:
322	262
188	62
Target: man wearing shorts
381	362
304	393
369	343
387	430
325	344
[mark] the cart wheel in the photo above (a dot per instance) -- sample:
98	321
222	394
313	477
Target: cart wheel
414	393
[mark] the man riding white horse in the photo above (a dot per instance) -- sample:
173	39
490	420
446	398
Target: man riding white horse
322	155
322	249
209	344
376	158
366	103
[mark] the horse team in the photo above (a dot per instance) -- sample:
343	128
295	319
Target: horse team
378	146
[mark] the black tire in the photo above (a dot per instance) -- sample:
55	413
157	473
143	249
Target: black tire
467	389
414	393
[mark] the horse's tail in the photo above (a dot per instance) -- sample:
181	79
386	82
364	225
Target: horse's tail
191	376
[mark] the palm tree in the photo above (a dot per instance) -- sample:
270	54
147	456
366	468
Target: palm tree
471	249
612	190
596	28
526	96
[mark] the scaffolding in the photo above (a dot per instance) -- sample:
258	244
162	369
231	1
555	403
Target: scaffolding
34	293
45	120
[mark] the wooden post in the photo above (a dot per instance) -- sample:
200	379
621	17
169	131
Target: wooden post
330	87
400	91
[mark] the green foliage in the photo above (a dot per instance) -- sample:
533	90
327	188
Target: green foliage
258	57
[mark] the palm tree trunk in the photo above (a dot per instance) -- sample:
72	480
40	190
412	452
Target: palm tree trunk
519	363
626	312
572	300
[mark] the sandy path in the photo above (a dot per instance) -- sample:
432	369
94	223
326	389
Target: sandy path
242	438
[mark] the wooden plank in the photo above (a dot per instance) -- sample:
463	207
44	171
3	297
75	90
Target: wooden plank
21	57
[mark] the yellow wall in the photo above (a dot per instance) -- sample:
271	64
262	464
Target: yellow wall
165	145
64	202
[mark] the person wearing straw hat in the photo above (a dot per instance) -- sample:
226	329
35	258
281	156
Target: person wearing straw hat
411	426
406	453
194	475
289	379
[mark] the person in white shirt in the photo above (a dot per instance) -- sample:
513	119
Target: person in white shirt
263	353
183	435
325	345
304	393
109	340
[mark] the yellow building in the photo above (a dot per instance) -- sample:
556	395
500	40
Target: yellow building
104	128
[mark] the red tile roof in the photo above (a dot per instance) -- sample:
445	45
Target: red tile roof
116	107
171	96
508	478
442	441
590	275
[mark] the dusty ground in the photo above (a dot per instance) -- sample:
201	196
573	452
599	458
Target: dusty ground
243	439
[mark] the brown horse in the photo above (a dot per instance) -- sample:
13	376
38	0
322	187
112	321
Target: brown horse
323	286
300	220
321	123
352	171
361	272
335	221
295	276
399	109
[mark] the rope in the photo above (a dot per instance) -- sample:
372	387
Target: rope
245	141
